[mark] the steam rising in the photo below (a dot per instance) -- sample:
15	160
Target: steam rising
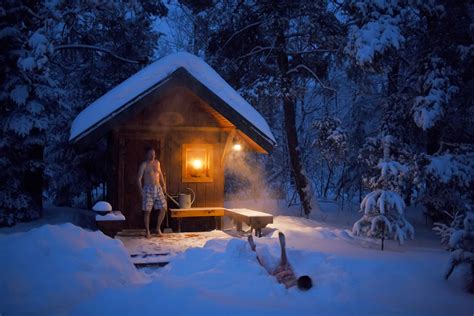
244	174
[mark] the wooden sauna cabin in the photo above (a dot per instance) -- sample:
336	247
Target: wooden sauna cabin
182	108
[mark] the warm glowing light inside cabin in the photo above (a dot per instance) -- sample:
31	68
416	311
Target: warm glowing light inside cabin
237	147
197	164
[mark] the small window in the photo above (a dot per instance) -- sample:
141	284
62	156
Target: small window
197	163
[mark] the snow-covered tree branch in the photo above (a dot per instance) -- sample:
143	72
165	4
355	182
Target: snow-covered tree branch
98	49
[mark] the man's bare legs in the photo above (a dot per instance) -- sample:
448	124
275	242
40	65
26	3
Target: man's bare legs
281	237
254	249
283	257
146	219
284	273
161	217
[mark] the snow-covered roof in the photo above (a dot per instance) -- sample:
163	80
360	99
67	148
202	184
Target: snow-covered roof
123	94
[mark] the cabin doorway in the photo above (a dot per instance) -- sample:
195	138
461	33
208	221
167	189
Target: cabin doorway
135	150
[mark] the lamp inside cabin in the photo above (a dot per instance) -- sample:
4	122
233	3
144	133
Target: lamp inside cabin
197	163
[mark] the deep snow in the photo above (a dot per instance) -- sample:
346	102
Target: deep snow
50	269
62	269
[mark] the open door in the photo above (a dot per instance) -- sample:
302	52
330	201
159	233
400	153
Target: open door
135	150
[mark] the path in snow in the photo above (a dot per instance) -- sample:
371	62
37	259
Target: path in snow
170	244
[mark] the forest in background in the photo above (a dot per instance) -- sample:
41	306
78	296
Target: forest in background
348	88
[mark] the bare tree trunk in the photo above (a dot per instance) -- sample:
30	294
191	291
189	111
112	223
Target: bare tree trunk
328	181
289	107
342	181
433	140
33	180
89	198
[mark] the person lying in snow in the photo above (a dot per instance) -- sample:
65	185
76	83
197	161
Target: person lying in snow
283	272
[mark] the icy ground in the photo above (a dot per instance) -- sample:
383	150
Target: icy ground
64	270
167	247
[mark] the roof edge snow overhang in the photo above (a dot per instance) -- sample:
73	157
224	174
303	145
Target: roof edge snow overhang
179	77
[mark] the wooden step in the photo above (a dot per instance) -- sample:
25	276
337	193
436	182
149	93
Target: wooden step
146	255
140	265
131	232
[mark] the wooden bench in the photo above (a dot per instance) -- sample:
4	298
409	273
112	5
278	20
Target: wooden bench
180	213
255	219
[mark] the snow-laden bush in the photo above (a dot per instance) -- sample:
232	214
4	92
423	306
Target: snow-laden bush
443	181
459	238
11	217
445	231
436	90
384	208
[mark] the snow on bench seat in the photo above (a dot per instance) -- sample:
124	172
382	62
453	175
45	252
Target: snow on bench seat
255	219
112	216
111	223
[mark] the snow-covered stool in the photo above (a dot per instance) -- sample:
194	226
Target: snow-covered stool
111	223
255	219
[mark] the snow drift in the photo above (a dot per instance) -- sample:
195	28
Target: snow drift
51	268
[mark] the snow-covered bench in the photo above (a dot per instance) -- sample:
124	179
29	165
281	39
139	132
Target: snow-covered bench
110	223
255	219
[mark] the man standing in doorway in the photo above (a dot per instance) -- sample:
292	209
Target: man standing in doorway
152	191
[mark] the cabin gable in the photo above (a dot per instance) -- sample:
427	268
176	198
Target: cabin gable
179	78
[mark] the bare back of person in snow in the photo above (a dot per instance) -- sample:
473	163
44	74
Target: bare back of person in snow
283	270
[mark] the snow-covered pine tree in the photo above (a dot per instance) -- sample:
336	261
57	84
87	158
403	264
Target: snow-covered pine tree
48	48
444	231
423	52
461	244
100	45
383	208
28	95
444	179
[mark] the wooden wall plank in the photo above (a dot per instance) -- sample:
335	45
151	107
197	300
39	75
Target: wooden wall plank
198	126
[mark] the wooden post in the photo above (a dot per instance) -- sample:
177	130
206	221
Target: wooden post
238	226
228	143
121	171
